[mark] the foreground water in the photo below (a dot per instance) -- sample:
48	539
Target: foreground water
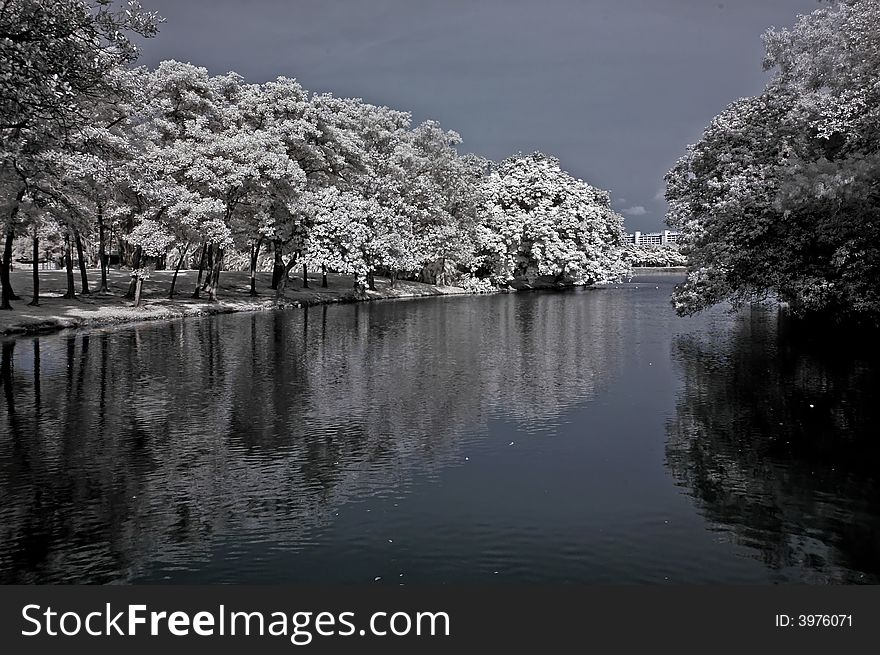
586	436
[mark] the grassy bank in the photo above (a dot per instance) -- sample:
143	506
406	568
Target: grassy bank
56	312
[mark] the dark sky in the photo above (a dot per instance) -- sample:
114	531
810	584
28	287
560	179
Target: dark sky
615	89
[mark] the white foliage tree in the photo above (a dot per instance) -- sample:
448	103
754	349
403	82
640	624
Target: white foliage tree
541	221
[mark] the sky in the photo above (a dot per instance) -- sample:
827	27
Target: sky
616	89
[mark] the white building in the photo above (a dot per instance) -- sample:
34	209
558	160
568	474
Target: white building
654	238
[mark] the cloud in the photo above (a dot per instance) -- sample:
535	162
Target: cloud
660	196
638	210
621	201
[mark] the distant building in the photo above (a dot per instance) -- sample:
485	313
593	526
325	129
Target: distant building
653	238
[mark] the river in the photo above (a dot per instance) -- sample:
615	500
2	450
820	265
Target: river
588	436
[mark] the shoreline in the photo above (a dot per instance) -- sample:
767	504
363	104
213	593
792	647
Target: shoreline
660	269
56	313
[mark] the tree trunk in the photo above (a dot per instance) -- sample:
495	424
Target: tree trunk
214	276
123	252
7	257
5	265
109	242
177	270
36	269
255	253
68	264
127	254
324	276
138	286
202	258
4	283
102	250
282	282
6	292
278	269
441	275
210	267
82	263
305	277
136	265
392	274
371	281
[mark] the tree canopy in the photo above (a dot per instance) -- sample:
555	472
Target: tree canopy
210	169
779	198
539	219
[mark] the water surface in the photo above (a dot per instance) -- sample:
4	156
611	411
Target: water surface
589	436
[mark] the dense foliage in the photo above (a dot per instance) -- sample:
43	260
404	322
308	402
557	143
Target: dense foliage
780	198
175	165
540	220
655	256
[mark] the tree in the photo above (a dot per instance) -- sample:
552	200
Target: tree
251	166
541	221
659	256
722	199
347	233
44	233
55	52
54	57
95	163
436	194
152	239
779	197
177	159
12	192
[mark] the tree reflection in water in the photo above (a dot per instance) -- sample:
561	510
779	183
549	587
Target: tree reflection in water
776	439
121	446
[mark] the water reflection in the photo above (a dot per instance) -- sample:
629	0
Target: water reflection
122	446
775	437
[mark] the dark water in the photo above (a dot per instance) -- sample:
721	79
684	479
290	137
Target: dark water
588	436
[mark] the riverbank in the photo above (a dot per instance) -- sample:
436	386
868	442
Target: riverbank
55	312
58	313
642	270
